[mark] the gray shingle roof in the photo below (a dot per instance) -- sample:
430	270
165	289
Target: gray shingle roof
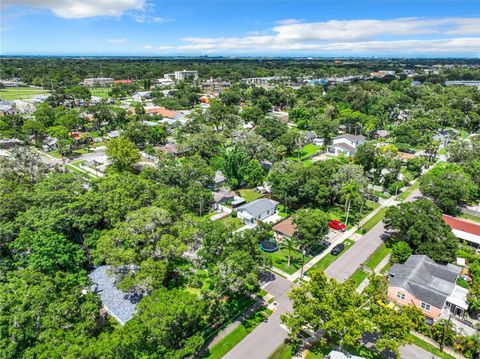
343	145
428	281
258	207
354	138
119	305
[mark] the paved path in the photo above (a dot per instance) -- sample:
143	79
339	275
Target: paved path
269	335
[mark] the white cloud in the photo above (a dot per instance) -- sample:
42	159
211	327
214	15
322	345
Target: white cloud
117	41
158	48
141	18
74	9
288	21
403	35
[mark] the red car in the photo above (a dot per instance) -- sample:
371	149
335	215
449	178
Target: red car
336	224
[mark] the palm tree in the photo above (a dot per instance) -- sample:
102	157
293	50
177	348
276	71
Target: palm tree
350	192
290	244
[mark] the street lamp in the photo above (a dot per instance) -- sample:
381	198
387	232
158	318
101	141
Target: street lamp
303	262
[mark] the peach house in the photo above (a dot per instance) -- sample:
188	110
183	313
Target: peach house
429	286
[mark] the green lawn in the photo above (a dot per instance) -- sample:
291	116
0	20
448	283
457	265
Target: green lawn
249	194
377	256
100	92
381	195
282	212
372	222
19	93
329	258
280	260
232	223
236	336
429	348
470	217
358	276
404	195
305	153
283	352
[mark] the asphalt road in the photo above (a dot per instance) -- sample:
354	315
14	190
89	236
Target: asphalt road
269	335
413	352
353	258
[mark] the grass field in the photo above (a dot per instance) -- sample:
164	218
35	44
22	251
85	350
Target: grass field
280	260
429	348
377	256
329	258
100	92
20	93
374	220
404	195
284	351
358	276
305	153
249	194
231	223
236	336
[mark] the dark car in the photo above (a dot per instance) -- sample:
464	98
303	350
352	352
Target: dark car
337	249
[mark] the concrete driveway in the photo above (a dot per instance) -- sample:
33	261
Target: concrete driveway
353	258
269	335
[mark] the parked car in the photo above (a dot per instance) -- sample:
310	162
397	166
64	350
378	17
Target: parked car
337	249
336	224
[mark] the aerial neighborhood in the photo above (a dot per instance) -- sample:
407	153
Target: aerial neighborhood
260	207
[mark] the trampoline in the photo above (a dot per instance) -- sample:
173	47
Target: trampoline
269	246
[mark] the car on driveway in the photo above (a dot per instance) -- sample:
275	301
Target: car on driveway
336	224
337	249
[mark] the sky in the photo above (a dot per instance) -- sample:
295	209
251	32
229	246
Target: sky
387	28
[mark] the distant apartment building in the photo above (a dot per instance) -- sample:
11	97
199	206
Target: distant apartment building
182	75
98	81
382	73
463	83
261	80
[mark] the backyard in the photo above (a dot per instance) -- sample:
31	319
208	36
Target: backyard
232	223
306	152
249	195
20	93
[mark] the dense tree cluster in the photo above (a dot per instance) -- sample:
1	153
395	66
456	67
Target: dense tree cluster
57	225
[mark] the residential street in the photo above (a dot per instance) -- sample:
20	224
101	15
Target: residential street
353	258
268	336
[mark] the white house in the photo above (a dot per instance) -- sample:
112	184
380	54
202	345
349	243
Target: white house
257	210
345	144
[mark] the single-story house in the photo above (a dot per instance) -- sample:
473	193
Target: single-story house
160	111
429	286
118	304
223	195
10	143
170	148
284	229
464	230
257	210
345	144
8	110
375	134
49	144
142	95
